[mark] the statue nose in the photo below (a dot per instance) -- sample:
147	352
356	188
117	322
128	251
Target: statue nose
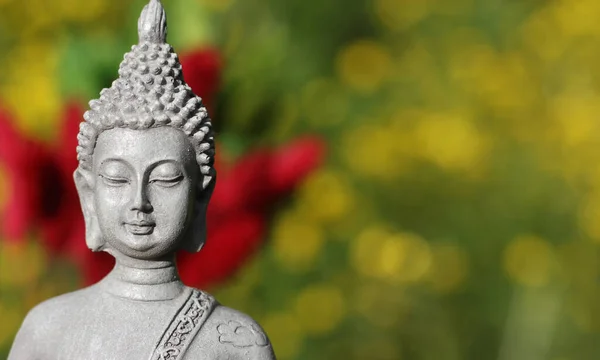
141	201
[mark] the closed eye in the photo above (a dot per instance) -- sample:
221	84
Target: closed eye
167	181
114	181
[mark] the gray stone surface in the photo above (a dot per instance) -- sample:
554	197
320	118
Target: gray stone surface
145	178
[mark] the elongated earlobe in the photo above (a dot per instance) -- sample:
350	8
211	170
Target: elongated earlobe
196	236
84	182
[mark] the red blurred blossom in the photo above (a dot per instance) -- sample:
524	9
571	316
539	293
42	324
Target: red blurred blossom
42	196
32	177
202	72
239	210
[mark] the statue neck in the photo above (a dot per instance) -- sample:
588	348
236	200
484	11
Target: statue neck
144	280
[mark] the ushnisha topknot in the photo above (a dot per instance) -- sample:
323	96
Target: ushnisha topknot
152	26
150	92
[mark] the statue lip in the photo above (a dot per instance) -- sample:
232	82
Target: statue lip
140	227
140	223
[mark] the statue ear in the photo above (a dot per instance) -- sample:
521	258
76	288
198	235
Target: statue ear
84	181
196	237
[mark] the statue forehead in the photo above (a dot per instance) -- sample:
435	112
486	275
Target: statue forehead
152	144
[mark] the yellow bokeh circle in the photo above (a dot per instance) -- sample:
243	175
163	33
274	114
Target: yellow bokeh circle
397	257
326	196
296	241
365	250
31	75
21	263
11	319
401	14
217	5
382	305
284	333
324	102
450	268
376	151
450	141
320	308
364	65
528	260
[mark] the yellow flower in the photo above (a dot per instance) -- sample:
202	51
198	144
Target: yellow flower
589	216
414	255
502	81
80	11
319	309
242	285
382	305
584	310
377	348
21	263
365	250
31	90
418	67
579	266
576	117
217	5
326	196
324	102
450	268
577	18
11	320
284	333
376	151
399	257
542	35
296	242
581	315
363	65
528	260
401	14
454	7
451	141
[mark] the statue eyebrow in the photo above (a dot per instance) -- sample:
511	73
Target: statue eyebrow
118	160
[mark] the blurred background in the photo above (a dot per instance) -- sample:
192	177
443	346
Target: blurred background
400	179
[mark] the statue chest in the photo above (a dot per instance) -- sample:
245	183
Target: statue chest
118	329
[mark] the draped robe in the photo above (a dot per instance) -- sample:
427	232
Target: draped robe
93	324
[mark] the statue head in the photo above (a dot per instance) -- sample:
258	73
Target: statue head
146	154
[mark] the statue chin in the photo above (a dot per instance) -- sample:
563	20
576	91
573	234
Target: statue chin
144	246
145	176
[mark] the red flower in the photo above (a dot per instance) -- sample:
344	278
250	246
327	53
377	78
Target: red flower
32	179
63	227
202	71
240	207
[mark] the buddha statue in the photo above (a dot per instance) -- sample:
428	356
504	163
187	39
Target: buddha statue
145	177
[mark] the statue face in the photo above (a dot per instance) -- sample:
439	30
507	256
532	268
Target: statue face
145	183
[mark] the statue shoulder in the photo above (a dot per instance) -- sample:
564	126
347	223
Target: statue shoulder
233	334
61	307
239	331
44	321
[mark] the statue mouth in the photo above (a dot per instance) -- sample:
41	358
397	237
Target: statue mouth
140	228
